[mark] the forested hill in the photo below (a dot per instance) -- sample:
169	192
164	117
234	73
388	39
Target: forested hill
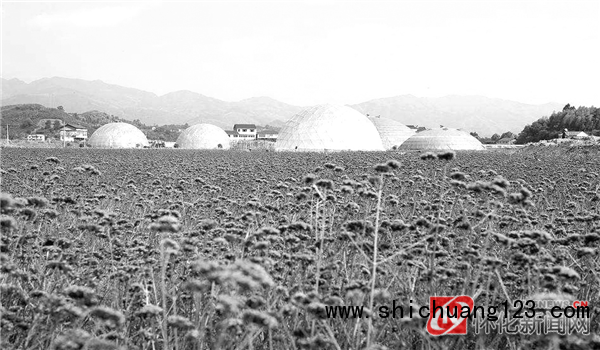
25	119
585	119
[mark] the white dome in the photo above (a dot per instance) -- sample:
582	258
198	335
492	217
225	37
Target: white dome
203	136
329	127
118	135
442	139
392	133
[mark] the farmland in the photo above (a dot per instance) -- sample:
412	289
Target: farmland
175	249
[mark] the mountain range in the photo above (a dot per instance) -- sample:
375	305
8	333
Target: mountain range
483	115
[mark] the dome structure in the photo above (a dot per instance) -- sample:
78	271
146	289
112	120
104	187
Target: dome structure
203	136
392	133
118	135
329	127
442	139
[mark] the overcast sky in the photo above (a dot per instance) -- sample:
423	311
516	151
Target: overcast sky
309	52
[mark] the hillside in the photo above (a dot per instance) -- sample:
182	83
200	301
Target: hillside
35	118
179	107
484	115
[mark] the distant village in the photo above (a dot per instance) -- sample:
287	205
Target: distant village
70	132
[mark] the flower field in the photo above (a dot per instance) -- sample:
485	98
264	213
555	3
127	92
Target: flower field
175	249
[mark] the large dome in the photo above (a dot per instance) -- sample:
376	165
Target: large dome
329	127
392	133
203	136
443	138
118	135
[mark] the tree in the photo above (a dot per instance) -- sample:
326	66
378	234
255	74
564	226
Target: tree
26	124
474	134
509	135
495	137
48	124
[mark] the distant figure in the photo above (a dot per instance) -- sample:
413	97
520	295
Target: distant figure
564	134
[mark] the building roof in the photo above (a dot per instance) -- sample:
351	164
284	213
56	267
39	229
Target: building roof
329	127
442	139
231	132
244	126
506	140
74	126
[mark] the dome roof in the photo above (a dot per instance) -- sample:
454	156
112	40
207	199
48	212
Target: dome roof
203	136
329	127
443	138
392	133
118	135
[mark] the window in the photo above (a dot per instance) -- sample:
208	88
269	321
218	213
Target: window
251	130
245	130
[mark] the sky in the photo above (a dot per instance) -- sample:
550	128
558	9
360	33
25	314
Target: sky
312	52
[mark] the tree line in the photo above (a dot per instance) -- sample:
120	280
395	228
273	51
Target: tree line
585	119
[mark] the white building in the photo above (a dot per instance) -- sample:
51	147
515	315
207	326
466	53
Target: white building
270	135
36	137
72	132
245	131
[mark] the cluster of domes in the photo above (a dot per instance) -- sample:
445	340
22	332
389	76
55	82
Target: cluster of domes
319	128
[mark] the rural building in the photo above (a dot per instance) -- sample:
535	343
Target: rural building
233	135
269	135
442	139
72	132
506	141
203	136
245	131
329	127
36	137
573	135
118	135
392	133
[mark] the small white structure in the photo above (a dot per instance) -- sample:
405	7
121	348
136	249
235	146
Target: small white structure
203	136
578	135
36	137
268	135
72	132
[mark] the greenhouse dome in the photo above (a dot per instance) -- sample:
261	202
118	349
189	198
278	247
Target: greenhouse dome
203	136
329	128
392	133
118	135
442	139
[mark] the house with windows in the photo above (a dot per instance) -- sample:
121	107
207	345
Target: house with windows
72	132
36	137
267	135
245	131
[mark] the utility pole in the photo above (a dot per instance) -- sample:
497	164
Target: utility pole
7	140
64	133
